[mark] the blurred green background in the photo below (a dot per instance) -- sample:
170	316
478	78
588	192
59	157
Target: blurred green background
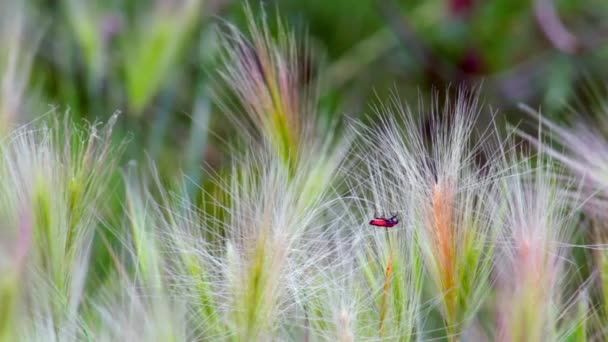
157	61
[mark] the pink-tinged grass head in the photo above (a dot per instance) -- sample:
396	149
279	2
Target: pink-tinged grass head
270	77
582	149
536	218
433	168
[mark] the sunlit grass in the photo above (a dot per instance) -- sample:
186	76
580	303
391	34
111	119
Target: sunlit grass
276	243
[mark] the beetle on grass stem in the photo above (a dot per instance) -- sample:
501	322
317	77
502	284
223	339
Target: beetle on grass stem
384	222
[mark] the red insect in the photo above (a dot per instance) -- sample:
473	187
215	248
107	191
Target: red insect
385	222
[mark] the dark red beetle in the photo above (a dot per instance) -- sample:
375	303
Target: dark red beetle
385	222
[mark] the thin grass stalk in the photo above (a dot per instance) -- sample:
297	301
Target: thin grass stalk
386	288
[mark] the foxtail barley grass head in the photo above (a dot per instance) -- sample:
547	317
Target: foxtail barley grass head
271	78
536	216
440	191
533	215
583	150
51	189
246	280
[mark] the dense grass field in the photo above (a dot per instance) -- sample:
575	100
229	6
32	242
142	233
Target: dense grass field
212	171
